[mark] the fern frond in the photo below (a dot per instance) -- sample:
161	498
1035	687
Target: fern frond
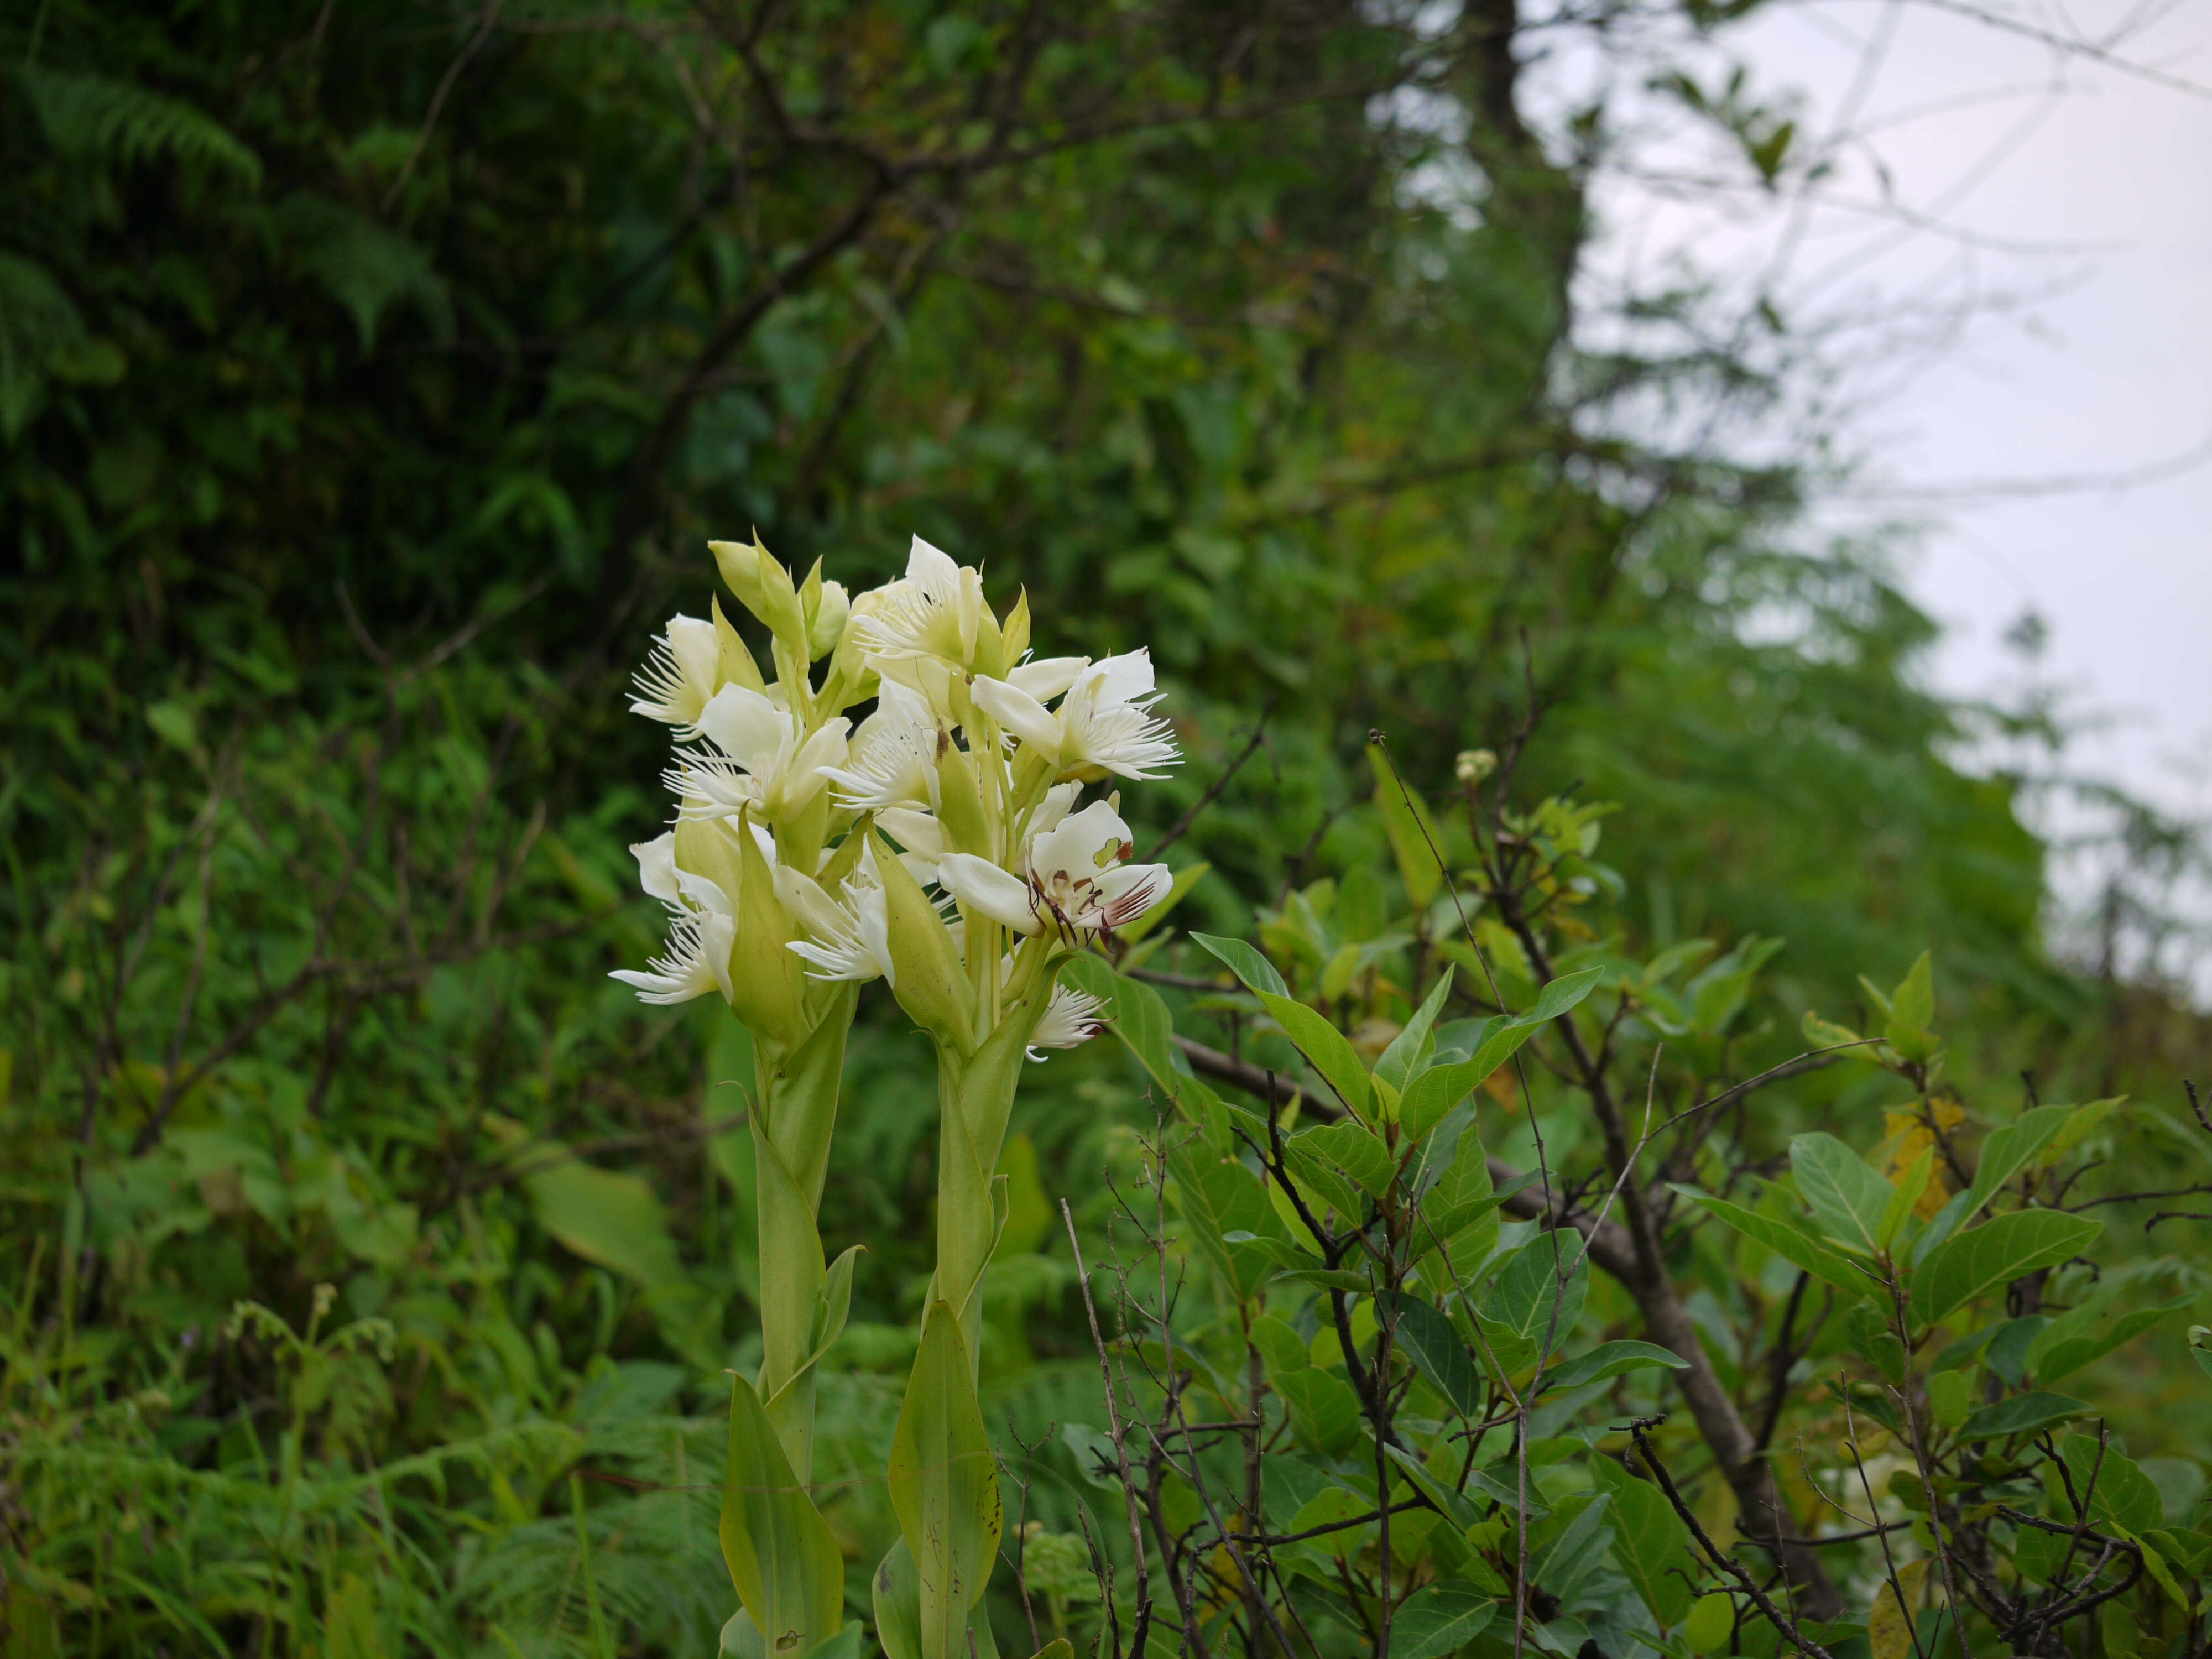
366	267
114	121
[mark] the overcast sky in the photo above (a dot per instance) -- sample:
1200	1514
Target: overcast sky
2065	207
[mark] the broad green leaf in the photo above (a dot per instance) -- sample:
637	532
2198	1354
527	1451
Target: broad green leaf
1847	1197
1995	1253
1950	1396
781	1557
1437	1353
1560	994
1527	1307
2007	1151
1432	1094
1326	1049
2023	1413
1456	1507
1710	1622
2159	1568
1138	1016
1565	1547
1353	1149
1415	1043
2072	1340
1797	1248
1323	1409
1440	1619
1316	1167
2079	1127
945	1486
1912	1011
1461	1194
1913	1001
1611	1359
1279	1346
1649	1543
1257	973
1503	1485
1220	1196
2123	1494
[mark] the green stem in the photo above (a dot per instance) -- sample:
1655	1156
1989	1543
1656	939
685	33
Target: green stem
600	1649
795	1112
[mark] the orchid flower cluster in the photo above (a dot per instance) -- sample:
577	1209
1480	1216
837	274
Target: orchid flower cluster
967	775
944	847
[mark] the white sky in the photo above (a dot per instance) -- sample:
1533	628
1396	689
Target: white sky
2098	365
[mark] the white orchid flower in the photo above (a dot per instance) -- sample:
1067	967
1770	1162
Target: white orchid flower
1071	1019
678	679
761	759
696	961
893	759
921	838
851	936
1104	719
1073	881
678	888
703	923
936	612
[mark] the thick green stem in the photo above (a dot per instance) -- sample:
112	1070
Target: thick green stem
795	1111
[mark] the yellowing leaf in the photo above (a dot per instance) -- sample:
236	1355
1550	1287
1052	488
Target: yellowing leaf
1889	1626
1907	1137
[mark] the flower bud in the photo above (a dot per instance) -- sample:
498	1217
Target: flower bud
1474	765
768	989
763	587
825	617
734	663
930	979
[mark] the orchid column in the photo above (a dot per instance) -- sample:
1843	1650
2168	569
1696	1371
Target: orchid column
754	814
976	780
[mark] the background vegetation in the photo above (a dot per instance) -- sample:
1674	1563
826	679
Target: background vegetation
370	374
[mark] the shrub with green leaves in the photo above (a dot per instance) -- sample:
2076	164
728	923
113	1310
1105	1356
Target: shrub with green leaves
1496	1310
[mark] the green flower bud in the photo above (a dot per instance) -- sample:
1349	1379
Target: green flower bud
768	982
931	979
827	605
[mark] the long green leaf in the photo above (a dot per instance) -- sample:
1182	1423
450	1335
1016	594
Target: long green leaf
1786	1241
1995	1253
1848	1198
1649	1543
2009	1149
1326	1049
1257	973
785	1563
1439	1354
1611	1359
1432	1094
945	1486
